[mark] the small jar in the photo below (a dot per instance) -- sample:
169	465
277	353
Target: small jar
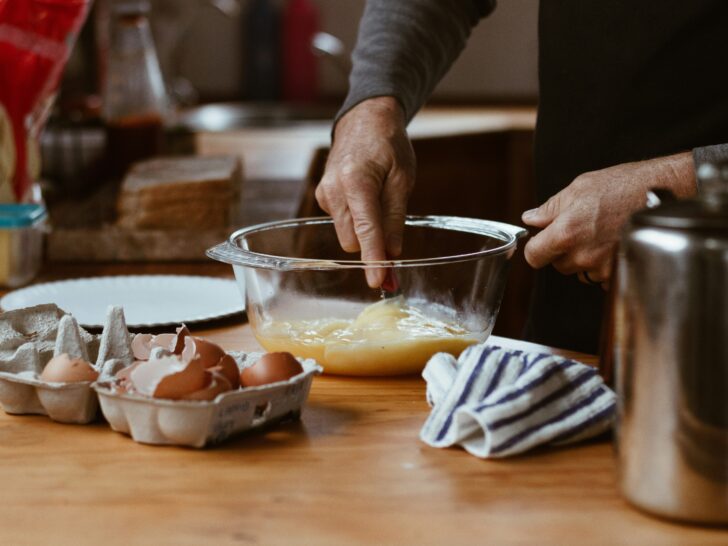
21	243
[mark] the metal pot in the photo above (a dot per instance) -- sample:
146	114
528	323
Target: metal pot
671	356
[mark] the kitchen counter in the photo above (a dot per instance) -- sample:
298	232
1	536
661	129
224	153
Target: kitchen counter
352	471
284	153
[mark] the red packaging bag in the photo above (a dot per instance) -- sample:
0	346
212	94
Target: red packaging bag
36	37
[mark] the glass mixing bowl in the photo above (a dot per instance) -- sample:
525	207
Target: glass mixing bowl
305	295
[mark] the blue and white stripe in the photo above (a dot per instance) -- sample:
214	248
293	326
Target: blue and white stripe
496	402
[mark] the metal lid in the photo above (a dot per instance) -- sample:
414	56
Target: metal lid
20	216
708	211
687	214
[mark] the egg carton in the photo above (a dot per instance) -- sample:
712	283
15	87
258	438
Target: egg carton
23	393
196	423
30	337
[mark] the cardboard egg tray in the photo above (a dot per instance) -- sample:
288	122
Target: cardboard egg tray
28	339
63	402
199	423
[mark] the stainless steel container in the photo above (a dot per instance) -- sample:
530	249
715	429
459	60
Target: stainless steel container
671	356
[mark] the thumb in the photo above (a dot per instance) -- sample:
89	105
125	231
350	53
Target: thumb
542	216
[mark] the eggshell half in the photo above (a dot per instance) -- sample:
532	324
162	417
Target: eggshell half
179	340
207	352
217	385
64	369
141	346
169	377
123	377
227	367
165	341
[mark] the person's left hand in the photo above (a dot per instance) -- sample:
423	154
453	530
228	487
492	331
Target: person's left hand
582	223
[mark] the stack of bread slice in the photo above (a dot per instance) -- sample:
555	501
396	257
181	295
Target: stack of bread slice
190	192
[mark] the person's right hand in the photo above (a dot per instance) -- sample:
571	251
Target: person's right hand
369	175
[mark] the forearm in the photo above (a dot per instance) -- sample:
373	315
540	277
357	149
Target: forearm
404	48
677	173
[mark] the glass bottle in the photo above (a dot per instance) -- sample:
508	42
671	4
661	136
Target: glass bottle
135	100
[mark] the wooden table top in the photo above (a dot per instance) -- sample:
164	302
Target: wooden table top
352	471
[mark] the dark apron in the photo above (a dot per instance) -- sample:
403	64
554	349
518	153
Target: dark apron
620	81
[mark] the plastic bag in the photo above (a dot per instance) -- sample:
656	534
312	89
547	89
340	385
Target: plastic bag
36	37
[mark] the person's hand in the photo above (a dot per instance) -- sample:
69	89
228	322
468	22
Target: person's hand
581	224
367	181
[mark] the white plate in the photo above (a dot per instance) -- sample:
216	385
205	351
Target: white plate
148	300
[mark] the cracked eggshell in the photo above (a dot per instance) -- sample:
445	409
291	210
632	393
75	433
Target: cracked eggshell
218	384
141	346
122	377
165	341
228	368
208	353
168	377
178	343
197	422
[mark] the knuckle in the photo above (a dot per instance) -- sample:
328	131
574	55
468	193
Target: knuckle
349	168
562	235
582	262
320	193
552	204
367	176
395	213
583	180
348	243
531	253
571	228
365	228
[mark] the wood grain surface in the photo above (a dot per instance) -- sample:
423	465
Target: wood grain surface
352	471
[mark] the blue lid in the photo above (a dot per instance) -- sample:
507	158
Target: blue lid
19	216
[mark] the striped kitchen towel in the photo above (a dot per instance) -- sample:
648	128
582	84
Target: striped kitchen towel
496	402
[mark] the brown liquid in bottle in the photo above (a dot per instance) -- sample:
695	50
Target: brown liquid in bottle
132	139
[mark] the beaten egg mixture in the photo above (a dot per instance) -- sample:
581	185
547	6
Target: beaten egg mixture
389	337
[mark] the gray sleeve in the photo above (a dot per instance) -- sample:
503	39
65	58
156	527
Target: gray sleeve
404	47
716	154
710	154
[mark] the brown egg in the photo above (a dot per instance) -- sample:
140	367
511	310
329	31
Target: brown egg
228	368
207	352
141	346
64	369
270	368
217	385
169	377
